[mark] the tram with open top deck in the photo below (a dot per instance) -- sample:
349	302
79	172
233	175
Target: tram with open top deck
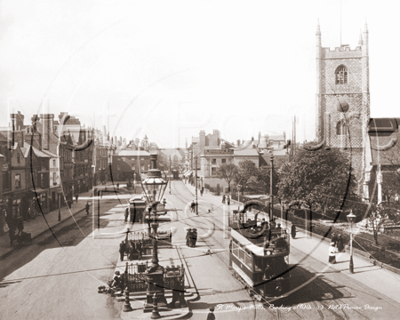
259	255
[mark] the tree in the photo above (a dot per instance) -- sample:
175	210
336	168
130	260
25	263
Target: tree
246	174
316	176
227	171
263	181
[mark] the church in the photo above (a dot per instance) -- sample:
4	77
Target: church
343	118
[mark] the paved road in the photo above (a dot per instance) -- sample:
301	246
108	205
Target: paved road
58	275
320	292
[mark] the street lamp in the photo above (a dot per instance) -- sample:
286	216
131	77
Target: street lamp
351	218
154	187
271	196
238	190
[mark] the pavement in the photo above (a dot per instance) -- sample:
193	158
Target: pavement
375	277
44	222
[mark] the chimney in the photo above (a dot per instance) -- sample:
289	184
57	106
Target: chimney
47	128
153	161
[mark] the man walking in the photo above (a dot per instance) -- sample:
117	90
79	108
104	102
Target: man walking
122	250
126	214
87	207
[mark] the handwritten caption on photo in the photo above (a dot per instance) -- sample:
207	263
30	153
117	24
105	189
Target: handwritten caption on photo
302	306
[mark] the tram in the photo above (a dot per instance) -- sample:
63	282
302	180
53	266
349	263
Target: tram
259	256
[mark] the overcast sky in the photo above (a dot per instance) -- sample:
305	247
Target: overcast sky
171	68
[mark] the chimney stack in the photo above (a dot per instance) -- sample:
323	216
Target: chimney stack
47	128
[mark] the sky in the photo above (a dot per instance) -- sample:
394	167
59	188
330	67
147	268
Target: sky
168	69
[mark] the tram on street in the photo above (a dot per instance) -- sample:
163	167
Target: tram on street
259	256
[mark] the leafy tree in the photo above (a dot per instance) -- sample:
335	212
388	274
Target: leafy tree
246	174
314	176
263	181
227	171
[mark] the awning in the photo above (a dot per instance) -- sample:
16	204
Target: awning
188	173
38	190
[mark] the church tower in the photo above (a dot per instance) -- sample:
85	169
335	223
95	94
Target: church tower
342	98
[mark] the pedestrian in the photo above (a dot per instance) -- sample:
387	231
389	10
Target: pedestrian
192	206
132	214
11	226
126	214
334	239
211	315
194	237
339	243
188	232
223	199
29	214
228	200
201	191
293	231
87	207
76	197
122	250
332	253
117	185
117	281
20	225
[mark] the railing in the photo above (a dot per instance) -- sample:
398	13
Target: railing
136	280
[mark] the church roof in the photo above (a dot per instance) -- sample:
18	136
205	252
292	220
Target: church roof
379	126
382	148
133	153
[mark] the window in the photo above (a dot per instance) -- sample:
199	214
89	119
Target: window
213	171
223	160
54	163
214	161
17	180
18	158
341	128
341	75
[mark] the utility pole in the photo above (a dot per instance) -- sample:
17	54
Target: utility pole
195	182
170	173
271	195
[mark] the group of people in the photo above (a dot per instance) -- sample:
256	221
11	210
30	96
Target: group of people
226	199
191	237
335	246
131	248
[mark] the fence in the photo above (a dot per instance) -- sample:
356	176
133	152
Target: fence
367	247
135	278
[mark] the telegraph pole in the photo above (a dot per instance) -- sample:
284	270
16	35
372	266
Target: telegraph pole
195	182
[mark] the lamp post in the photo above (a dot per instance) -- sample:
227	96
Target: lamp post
271	195
154	188
238	190
351	218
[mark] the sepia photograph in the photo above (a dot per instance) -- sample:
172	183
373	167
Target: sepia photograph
199	159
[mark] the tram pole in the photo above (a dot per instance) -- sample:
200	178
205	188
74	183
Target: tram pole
271	195
195	182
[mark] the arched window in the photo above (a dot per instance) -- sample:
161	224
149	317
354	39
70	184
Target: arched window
341	128
341	75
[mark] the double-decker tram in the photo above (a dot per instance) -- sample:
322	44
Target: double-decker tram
259	254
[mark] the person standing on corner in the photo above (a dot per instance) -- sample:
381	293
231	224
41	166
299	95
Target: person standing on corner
228	200
223	199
